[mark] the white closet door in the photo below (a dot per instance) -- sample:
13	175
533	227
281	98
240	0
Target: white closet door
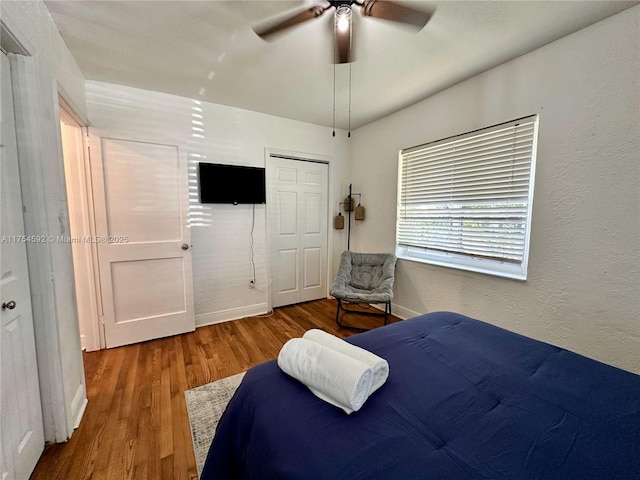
297	210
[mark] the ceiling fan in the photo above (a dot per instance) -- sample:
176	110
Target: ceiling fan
382	9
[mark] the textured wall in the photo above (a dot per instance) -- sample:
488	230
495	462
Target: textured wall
583	288
221	234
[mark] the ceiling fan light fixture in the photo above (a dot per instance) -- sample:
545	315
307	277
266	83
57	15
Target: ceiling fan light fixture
343	17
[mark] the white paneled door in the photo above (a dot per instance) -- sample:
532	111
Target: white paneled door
143	239
297	210
22	435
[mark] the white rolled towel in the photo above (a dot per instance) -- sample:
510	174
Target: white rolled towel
378	364
332	376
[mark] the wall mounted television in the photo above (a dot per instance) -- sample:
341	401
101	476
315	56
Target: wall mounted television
235	184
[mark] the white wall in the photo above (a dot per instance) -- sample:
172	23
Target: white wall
583	288
46	69
221	233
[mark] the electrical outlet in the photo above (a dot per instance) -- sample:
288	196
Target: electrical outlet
252	283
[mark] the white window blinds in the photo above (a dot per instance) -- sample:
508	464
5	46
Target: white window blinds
469	195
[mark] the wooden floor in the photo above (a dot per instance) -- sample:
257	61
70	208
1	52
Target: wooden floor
136	425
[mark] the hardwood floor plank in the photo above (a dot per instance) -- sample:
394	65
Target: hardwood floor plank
166	429
136	424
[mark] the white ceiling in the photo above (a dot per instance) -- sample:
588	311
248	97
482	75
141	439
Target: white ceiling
208	51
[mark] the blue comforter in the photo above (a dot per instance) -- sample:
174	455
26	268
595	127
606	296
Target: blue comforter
464	400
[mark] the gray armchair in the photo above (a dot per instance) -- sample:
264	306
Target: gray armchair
364	278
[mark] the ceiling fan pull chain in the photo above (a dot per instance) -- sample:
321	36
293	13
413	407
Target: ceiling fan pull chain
334	78
349	134
334	99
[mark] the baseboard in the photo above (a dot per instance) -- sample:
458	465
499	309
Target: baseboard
398	311
78	406
230	314
402	312
80	414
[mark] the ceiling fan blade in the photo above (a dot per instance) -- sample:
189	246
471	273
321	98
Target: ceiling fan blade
296	19
343	46
396	13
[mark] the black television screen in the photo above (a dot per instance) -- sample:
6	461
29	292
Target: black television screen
231	184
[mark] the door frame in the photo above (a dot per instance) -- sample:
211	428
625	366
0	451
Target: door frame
301	157
85	255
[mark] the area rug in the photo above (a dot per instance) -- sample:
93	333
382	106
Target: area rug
205	406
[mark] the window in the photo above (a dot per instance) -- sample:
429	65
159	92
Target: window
465	201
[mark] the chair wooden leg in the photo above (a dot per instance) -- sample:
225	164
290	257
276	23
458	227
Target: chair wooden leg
345	310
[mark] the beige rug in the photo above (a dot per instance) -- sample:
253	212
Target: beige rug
205	406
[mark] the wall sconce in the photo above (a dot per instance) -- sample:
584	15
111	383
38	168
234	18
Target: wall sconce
349	206
359	210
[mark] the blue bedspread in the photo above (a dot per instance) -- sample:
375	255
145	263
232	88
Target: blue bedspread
464	400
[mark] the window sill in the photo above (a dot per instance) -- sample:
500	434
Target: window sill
462	262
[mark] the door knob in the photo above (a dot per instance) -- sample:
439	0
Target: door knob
10	305
185	246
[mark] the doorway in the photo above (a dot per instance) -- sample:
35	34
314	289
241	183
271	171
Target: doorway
81	227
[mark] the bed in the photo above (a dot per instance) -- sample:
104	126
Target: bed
464	400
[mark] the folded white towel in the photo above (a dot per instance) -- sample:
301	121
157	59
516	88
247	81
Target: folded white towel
379	365
330	375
